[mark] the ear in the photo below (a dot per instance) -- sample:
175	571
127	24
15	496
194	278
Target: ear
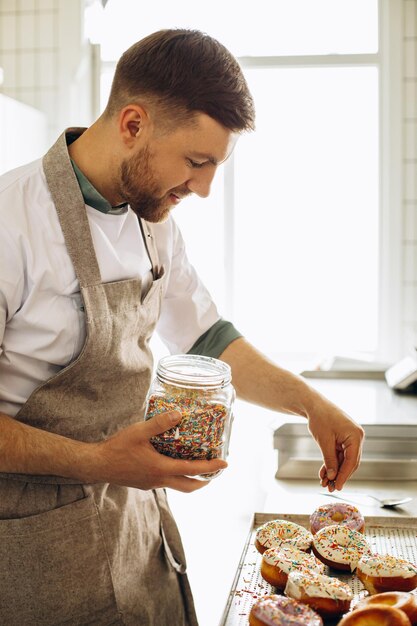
133	119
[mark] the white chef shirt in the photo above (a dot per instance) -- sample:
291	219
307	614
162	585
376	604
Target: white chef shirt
42	326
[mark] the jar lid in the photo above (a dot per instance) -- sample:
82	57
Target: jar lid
191	370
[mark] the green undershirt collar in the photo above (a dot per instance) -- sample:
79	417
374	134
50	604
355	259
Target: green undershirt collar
93	198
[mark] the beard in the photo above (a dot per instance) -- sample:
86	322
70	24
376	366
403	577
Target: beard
146	201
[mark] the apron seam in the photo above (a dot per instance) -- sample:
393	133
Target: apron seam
107	559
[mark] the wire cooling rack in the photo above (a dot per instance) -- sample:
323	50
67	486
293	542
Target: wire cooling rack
396	536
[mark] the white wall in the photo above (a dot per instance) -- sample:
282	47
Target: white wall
409	322
22	133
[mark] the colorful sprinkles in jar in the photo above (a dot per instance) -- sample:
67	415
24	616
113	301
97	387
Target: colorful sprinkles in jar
201	432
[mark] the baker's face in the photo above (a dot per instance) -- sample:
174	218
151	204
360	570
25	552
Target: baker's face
168	167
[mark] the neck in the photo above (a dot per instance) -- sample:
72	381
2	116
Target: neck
95	153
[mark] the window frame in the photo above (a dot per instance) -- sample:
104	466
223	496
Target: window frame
387	60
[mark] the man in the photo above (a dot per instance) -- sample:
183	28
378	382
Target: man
90	263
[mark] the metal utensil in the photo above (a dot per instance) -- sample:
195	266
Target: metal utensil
385	503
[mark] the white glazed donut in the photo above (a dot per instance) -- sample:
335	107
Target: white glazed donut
383	572
327	595
276	532
277	563
339	547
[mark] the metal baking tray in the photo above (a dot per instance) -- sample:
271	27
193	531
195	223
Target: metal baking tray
387	535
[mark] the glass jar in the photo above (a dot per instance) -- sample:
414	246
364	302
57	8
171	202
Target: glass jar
200	389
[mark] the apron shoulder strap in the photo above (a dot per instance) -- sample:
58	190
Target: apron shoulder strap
72	215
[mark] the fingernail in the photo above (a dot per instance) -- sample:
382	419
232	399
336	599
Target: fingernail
174	416
331	474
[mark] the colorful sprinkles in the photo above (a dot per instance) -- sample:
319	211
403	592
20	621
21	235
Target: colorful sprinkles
201	432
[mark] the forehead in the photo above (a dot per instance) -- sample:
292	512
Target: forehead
204	139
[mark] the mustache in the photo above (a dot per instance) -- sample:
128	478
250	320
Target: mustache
181	192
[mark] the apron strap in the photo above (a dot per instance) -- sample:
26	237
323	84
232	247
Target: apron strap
70	207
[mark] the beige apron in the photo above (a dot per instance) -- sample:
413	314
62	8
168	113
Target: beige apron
97	554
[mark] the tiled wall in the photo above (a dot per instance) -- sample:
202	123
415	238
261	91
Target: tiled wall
43	55
410	174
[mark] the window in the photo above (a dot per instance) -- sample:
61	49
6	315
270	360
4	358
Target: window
293	224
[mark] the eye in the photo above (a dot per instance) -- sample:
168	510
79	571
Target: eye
195	164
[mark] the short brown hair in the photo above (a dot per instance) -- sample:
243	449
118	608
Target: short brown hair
184	71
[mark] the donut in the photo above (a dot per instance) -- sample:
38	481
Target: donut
339	513
278	531
327	595
405	602
276	610
277	563
339	547
383	572
377	615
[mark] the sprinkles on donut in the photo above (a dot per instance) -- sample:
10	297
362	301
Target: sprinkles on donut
339	547
338	513
275	610
276	532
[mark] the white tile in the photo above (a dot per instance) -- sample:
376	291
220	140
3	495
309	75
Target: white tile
27	5
25	31
410	302
48	103
410	99
45	63
9	6
410	181
410	18
410	139
8	32
46	5
8	63
26	69
410	58
46	30
410	222
410	262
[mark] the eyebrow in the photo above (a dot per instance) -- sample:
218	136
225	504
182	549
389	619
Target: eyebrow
202	155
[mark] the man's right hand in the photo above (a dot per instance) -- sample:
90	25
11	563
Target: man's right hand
128	458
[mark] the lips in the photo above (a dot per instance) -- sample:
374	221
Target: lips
174	198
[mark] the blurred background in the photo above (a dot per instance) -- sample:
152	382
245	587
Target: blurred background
323	194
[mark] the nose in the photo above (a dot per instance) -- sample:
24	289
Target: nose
200	182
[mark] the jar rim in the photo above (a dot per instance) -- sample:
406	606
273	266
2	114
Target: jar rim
193	370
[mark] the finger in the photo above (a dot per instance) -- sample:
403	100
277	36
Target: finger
185	484
331	464
197	468
167	466
160	423
350	464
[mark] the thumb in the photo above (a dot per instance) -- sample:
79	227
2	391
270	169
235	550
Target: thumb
161	423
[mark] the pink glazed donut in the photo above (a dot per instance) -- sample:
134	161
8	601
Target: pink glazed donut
339	513
277	610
